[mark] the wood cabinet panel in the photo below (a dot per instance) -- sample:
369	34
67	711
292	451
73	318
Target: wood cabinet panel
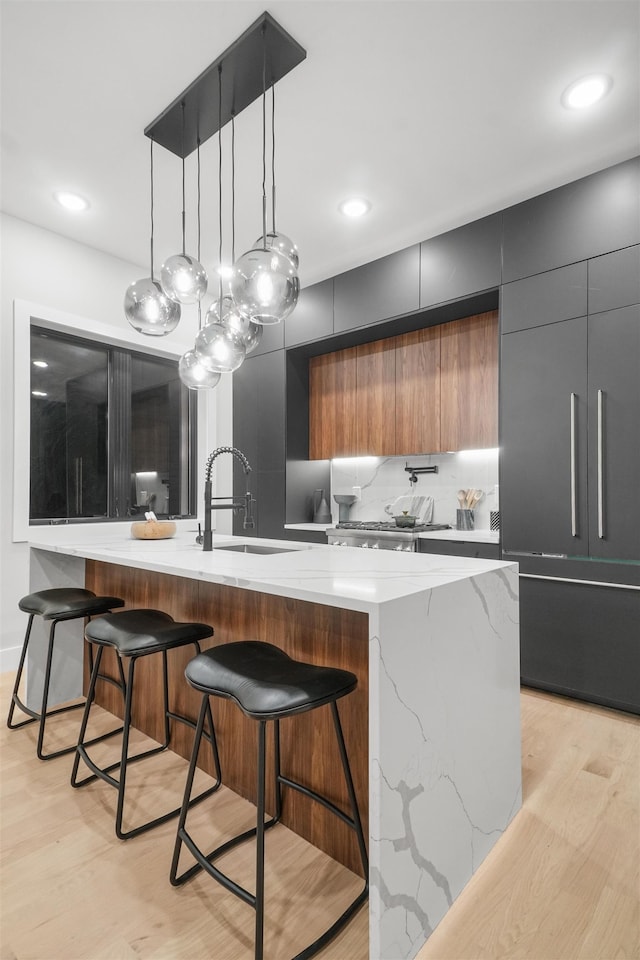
332	405
469	382
417	423
376	398
307	631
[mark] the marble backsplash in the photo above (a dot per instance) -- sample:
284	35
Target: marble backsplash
383	479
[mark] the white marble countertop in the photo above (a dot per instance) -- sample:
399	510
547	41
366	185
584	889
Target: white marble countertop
338	576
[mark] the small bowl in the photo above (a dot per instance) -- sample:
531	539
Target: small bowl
153	529
405	521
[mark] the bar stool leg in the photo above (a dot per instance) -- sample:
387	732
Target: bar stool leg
15	700
259	903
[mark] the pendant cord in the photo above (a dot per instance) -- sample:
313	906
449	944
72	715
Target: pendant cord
273	158
151	183
220	189
184	216
233	189
264	139
199	233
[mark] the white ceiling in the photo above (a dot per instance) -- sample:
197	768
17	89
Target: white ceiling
438	112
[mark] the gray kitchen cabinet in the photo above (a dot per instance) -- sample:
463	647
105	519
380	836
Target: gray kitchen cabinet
614	280
462	261
543	378
272	339
570	407
546	298
580	220
259	432
460	548
312	318
381	290
614	433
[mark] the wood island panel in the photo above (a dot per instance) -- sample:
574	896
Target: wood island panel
314	632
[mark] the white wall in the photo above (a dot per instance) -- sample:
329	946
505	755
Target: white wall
85	288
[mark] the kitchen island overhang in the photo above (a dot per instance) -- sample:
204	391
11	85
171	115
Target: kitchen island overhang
444	767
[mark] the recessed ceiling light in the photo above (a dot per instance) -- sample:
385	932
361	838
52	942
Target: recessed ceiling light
39	393
71	201
355	207
40	363
586	91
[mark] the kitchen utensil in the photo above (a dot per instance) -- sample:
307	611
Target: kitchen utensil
344	501
462	496
419	507
405	520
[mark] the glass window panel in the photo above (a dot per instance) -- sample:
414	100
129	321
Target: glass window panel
68	427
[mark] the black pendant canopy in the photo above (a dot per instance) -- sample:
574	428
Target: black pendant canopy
264	41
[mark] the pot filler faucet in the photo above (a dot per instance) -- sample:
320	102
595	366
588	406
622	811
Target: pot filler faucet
241	503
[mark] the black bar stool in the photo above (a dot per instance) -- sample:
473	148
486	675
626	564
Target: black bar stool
135	634
267	684
57	605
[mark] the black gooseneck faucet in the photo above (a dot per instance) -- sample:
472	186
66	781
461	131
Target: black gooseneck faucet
244	503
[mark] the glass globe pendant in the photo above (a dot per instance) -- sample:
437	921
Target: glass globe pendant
149	310
280	242
264	286
194	374
219	349
224	312
183	278
146	306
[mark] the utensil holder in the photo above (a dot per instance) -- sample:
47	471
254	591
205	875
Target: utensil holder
464	520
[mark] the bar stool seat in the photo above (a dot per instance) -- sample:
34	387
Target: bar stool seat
57	605
267	685
134	634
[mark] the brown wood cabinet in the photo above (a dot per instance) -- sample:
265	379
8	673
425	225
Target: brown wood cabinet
375	397
418	391
332	405
469	384
428	391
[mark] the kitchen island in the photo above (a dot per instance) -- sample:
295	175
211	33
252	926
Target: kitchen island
433	729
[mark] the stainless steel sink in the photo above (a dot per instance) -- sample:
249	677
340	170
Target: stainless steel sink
255	548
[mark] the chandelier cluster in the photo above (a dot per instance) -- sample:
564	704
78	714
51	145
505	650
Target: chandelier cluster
263	284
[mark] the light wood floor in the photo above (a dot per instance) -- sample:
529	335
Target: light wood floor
563	882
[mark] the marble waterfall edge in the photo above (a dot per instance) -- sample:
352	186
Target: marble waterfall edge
445	765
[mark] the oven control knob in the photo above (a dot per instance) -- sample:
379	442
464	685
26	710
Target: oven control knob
398	548
408	549
365	546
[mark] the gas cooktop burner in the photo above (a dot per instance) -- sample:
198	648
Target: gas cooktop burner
389	526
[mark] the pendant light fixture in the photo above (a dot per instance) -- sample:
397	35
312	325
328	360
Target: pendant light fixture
183	278
146	306
217	346
264	283
191	370
275	240
224	311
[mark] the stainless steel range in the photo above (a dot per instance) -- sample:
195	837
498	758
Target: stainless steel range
379	535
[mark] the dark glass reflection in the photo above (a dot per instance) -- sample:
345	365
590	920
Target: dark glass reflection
156	423
68	427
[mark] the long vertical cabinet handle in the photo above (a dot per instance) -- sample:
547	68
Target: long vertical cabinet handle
601	464
574	492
